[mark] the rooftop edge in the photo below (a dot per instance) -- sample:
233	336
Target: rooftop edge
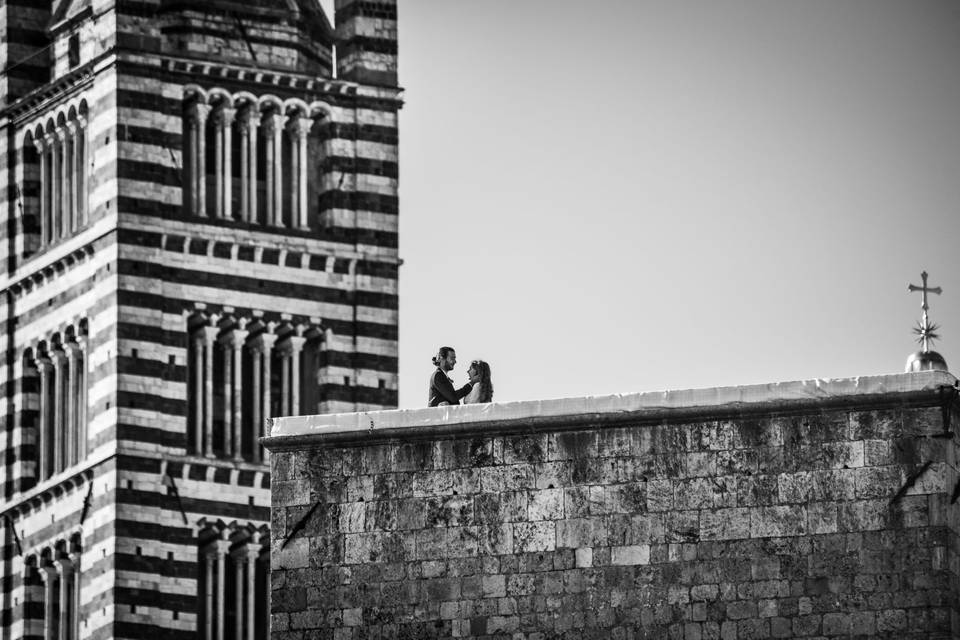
287	432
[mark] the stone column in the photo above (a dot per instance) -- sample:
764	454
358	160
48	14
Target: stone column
44	369
302	129
82	166
239	619
226	130
44	190
274	133
294	167
75	602
253	552
83	444
65	569
209	560
256	362
49	575
239	338
210	336
73	181
268	340
53	145
201	111
253	124
193	153
244	126
72	404
59	375
199	346
296	348
278	170
285	381
268	170
227	396
223	546
64	137
218	163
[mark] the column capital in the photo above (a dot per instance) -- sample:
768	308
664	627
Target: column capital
300	127
71	349
226	115
40	143
210	334
199	112
50	139
239	338
58	358
263	342
248	551
48	572
71	126
216	548
233	338
249	117
274	122
43	364
296	343
63	565
61	133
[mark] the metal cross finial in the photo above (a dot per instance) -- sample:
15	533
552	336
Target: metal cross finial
925	329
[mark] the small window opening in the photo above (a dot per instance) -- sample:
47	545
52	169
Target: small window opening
73	50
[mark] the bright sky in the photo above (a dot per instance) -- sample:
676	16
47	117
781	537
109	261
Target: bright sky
620	195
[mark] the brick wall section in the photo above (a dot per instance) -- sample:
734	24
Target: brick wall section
827	518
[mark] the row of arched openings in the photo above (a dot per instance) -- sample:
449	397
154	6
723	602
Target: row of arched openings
55	174
52	581
257	159
55	397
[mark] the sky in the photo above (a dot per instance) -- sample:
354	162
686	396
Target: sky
623	195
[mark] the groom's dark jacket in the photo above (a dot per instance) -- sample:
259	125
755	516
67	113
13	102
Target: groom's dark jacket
441	389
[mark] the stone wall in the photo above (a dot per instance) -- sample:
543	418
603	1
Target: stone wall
795	510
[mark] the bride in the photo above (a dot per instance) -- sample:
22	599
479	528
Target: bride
479	373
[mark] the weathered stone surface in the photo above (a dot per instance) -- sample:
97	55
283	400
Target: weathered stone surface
767	527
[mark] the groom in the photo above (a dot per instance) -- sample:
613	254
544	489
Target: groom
441	389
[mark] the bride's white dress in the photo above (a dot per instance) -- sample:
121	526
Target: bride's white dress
474	396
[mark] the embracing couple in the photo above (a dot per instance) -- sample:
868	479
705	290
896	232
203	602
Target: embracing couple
442	392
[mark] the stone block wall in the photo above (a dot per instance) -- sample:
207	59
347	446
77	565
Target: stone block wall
831	516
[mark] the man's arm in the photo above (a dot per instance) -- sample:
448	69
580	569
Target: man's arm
464	390
441	384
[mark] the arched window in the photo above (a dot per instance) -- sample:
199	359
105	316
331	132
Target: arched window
53	179
233	574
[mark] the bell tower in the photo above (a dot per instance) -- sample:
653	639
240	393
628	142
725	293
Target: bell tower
200	233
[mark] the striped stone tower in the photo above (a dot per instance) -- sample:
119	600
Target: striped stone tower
199	232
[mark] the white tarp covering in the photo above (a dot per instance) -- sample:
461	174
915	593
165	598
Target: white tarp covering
715	397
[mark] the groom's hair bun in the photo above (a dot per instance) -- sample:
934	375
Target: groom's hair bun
442	353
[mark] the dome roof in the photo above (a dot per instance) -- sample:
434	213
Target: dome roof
925	361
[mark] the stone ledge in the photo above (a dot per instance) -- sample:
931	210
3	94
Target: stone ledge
779	397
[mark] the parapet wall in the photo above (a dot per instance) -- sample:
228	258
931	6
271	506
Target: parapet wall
804	509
